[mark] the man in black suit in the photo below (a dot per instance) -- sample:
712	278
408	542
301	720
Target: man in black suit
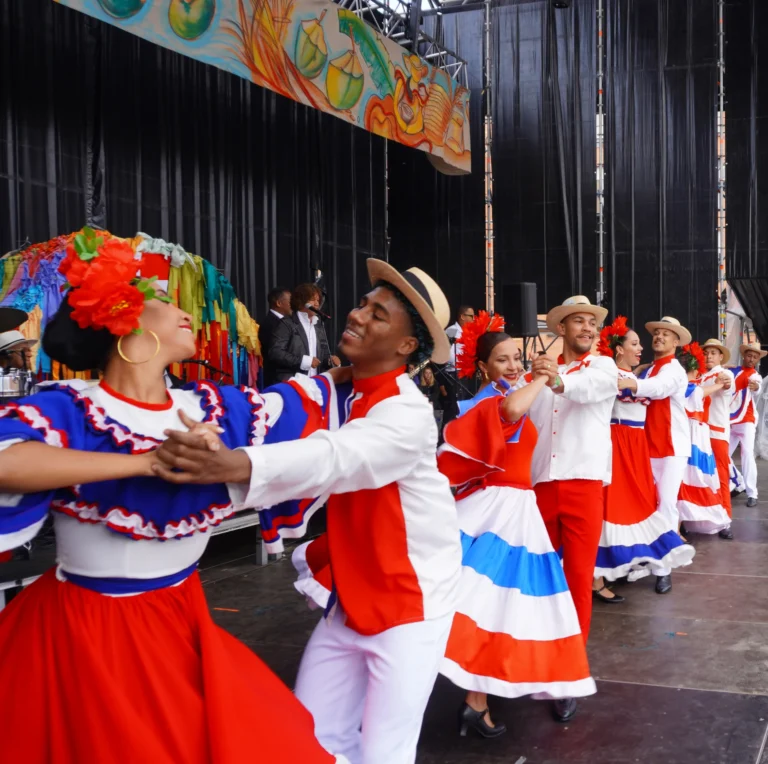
279	300
297	345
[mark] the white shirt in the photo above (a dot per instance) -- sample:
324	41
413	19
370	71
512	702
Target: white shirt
454	333
308	323
575	425
666	424
720	405
276	313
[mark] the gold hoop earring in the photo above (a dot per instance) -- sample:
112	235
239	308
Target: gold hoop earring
138	363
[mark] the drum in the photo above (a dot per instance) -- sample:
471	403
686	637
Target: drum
15	383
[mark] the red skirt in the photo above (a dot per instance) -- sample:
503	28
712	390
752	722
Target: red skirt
150	678
631	496
722	456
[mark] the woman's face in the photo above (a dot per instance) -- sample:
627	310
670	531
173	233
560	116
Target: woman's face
428	376
504	361
173	328
630	352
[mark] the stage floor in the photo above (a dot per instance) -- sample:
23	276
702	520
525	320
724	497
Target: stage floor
682	678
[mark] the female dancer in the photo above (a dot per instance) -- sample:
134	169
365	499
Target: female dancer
699	503
635	537
515	631
113	656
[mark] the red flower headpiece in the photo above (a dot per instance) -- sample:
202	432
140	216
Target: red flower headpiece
693	357
106	288
611	336
466	361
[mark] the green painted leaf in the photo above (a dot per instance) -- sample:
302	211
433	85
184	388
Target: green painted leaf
81	245
372	49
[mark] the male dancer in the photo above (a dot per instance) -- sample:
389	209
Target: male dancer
743	421
393	535
571	462
717	355
666	425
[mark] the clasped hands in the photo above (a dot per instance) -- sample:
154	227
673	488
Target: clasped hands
543	366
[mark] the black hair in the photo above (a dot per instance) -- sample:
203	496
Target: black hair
487	342
420	331
78	349
463	309
275	294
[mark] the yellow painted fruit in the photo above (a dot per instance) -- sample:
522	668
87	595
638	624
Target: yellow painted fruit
311	50
190	18
344	81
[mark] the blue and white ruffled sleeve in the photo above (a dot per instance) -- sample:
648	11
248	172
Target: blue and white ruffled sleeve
44	418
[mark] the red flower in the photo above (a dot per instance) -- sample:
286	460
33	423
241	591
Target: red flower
73	268
466	360
116	308
611	335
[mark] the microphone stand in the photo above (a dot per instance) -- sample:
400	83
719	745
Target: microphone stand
208	366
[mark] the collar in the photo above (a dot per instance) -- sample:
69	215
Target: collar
277	313
305	318
369	385
580	359
138	404
663	361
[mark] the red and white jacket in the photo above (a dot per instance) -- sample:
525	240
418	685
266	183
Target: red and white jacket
575	426
393	535
743	401
720	406
666	423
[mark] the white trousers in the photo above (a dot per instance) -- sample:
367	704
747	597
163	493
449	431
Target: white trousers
668	476
368	694
744	435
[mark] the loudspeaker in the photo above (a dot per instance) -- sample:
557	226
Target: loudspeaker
518	306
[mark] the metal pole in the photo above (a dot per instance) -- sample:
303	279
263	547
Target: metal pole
722	296
600	154
488	124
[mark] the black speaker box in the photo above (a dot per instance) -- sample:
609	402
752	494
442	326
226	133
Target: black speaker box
518	306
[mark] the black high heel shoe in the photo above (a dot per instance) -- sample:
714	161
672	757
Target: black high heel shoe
471	719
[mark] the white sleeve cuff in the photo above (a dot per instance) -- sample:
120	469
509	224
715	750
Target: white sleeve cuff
248	495
306	362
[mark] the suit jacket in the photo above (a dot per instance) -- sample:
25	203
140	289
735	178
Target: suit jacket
289	344
266	338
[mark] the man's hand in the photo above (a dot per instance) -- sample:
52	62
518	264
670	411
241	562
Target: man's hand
627	383
725	380
754	385
542	365
199	456
335	360
315	363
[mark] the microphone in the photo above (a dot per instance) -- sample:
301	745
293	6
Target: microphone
317	312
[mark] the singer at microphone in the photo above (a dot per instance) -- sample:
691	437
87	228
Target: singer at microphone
299	342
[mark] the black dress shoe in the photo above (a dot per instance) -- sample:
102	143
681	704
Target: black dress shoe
751	501
598	595
663	584
564	710
726	534
471	719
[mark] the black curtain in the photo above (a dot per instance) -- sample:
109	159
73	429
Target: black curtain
661	92
103	127
746	23
544	147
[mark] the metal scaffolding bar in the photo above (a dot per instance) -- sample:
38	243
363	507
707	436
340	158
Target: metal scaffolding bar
600	154
488	125
722	286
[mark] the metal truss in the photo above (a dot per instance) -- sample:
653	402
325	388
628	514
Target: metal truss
399	20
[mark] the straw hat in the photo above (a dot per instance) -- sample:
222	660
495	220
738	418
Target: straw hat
576	304
755	348
712	343
10	341
11	318
667	322
425	296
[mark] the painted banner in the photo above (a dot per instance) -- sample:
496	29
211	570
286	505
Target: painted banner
316	53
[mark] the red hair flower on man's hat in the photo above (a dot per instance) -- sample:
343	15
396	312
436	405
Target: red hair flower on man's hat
106	290
611	336
466	361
